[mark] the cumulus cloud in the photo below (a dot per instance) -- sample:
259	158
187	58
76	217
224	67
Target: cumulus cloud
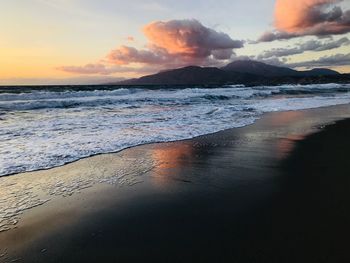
325	61
171	44
177	43
281	62
295	18
222	54
188	38
125	55
311	45
334	60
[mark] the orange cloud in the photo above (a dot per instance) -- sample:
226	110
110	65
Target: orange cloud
295	18
188	38
174	43
296	15
130	38
125	55
178	42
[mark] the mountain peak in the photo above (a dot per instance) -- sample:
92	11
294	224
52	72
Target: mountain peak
258	68
237	72
322	71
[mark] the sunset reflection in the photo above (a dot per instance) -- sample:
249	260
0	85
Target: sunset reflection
287	117
169	159
285	144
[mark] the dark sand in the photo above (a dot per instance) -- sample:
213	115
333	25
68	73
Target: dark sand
275	191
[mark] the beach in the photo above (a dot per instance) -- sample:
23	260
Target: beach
175	131
273	191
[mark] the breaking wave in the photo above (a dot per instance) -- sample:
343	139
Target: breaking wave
44	129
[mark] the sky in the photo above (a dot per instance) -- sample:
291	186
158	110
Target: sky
89	41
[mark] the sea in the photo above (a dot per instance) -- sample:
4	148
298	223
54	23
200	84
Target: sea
45	127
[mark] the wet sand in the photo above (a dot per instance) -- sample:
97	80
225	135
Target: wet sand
274	191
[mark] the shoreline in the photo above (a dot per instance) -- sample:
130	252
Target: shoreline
170	141
171	170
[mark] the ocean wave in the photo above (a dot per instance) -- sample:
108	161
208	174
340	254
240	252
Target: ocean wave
46	129
73	99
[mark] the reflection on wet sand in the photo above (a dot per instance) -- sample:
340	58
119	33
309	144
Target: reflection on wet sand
285	146
169	158
286	142
286	118
236	171
247	152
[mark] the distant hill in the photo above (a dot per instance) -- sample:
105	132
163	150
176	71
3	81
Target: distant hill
246	72
259	68
262	69
320	72
191	75
187	75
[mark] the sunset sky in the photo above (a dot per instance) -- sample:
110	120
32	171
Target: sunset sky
89	41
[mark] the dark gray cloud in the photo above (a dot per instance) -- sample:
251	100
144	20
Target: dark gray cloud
270	36
311	45
326	61
222	54
281	62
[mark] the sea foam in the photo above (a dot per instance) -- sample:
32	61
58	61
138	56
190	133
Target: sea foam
44	129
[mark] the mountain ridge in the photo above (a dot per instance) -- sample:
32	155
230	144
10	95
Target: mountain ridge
247	72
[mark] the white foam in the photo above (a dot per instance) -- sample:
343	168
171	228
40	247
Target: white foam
46	129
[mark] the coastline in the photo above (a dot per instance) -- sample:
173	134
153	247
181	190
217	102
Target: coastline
229	176
159	142
198	112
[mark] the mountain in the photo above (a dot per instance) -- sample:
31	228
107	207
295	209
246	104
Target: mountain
262	69
246	72
191	75
258	68
187	75
320	72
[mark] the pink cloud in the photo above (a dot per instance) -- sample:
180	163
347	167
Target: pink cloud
130	39
295	18
171	44
177	42
125	55
188	38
